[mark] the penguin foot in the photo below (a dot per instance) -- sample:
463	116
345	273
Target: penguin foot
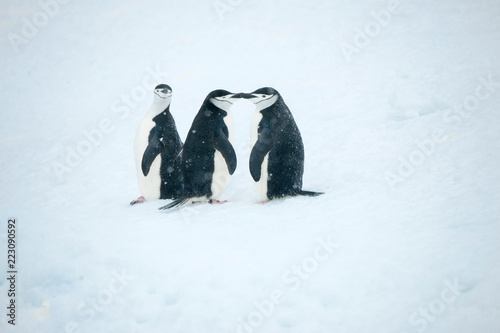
216	202
140	199
263	202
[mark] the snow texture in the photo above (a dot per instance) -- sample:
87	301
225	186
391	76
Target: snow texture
397	103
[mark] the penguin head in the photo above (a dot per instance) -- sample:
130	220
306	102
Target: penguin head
163	93
262	97
222	99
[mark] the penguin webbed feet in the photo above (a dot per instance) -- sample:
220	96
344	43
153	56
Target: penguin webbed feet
216	202
140	199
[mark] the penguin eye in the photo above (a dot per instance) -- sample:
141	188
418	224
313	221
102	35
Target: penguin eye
157	90
263	96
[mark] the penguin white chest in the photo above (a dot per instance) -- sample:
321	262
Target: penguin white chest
261	185
221	176
149	185
254	128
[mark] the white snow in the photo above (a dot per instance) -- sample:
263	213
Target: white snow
418	253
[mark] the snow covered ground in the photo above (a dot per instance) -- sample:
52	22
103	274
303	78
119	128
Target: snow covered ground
398	107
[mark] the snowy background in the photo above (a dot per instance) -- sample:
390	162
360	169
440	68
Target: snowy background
401	129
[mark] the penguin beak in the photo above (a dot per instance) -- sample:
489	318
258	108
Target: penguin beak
243	95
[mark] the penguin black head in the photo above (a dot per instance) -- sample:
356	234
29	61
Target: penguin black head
263	96
163	91
221	98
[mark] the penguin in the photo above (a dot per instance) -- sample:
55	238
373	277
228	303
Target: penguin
208	158
277	150
157	149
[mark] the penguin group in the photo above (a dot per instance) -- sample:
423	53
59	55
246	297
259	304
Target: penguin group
199	169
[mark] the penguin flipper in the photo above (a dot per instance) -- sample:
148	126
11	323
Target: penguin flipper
259	151
222	144
153	149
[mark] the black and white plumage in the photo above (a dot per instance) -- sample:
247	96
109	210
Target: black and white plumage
208	157
277	156
157	148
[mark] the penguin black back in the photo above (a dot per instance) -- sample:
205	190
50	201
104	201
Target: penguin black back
170	170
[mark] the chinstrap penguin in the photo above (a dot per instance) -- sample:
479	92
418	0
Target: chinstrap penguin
277	155
157	148
208	158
